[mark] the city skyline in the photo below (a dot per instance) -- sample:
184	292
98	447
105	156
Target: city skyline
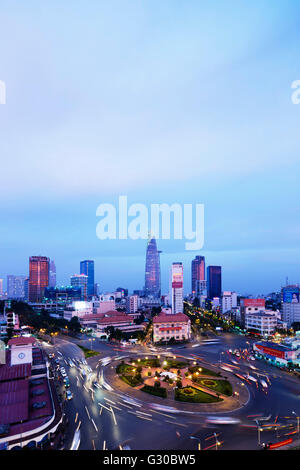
155	92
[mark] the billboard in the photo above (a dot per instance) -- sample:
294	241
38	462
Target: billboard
291	295
253	302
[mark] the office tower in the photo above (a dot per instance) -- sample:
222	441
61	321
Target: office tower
26	289
152	270
87	268
52	274
198	273
80	280
1	286
214	281
290	306
38	277
16	287
97	289
176	289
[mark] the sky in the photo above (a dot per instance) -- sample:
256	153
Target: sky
164	102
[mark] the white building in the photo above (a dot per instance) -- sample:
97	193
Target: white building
132	303
290	313
176	288
261	322
78	309
228	301
166	327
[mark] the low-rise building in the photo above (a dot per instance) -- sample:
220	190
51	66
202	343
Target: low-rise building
29	407
166	327
261	322
277	354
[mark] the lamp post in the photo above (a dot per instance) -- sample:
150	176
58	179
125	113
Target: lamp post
199	442
259	430
298	418
217	442
222	352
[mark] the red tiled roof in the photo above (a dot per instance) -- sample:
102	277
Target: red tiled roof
21	340
18	371
167	318
116	319
13	401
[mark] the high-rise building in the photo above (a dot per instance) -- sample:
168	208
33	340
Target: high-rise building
132	303
80	280
1	287
214	281
198	273
16	287
152	270
176	288
26	289
87	267
38	277
52	274
290	306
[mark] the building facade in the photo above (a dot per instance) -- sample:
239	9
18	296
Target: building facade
214	282
152	270
176	288
87	267
198	274
166	327
80	280
16	287
38	277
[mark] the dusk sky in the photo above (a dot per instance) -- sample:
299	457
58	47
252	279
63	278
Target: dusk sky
163	101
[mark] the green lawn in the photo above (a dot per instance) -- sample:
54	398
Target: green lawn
157	391
204	371
221	386
88	352
192	395
130	380
124	368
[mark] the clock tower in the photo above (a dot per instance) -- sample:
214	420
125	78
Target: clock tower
21	350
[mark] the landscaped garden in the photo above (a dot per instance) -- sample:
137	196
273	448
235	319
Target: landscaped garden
173	378
193	395
88	352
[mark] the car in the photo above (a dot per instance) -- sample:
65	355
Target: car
69	395
222	420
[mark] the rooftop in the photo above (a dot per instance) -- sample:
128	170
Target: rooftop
171	317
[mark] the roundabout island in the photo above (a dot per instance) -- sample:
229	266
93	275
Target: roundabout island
187	385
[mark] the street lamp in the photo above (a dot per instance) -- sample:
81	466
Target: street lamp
222	352
298	418
218	443
198	439
259	430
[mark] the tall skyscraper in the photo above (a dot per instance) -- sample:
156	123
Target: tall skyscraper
16	287
87	267
52	274
1	286
152	270
176	288
38	277
214	281
198	272
80	280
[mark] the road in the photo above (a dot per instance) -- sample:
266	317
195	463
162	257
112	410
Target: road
107	421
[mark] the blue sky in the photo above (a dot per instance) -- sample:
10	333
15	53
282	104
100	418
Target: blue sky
163	102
